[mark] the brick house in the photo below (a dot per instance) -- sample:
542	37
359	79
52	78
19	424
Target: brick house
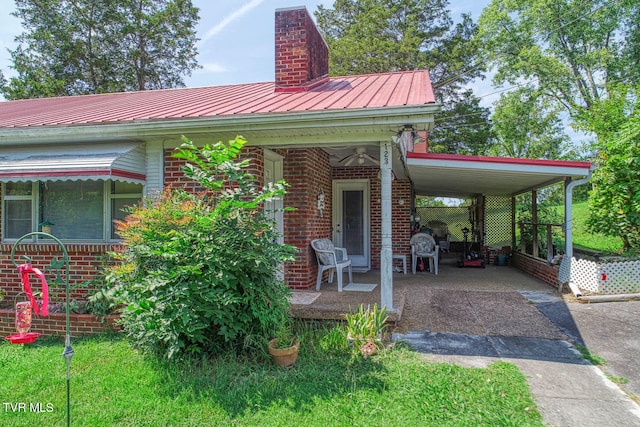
349	141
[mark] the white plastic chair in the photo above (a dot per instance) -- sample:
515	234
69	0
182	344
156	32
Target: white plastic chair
331	258
424	246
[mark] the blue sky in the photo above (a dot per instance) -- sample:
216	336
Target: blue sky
237	37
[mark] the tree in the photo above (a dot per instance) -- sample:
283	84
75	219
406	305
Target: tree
463	127
615	199
566	50
373	36
571	53
428	201
96	46
525	126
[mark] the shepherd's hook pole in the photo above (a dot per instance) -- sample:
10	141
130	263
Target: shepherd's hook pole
68	350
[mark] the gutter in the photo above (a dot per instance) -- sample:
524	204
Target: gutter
568	212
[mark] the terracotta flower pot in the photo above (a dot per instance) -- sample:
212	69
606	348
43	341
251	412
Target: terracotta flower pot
283	356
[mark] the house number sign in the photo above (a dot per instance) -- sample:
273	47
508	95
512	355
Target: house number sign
386	154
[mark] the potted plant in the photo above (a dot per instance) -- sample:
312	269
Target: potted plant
284	347
365	328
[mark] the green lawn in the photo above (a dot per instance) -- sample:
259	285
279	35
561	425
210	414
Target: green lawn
585	239
113	385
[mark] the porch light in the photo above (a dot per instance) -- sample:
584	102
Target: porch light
321	203
407	132
393	175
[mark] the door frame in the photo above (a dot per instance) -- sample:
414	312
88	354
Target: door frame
338	186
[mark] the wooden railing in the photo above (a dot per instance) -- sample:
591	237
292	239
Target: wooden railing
535	243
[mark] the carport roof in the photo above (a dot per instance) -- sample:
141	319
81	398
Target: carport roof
452	175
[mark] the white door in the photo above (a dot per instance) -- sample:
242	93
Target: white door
351	220
273	172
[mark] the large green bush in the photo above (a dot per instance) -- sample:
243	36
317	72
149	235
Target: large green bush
199	272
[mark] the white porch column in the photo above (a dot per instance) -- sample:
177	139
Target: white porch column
386	260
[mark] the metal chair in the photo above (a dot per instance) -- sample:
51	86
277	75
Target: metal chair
424	246
332	259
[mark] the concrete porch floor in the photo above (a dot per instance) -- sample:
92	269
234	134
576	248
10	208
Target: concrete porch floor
461	300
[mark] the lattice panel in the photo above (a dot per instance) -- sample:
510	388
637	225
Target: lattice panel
498	226
584	274
606	278
456	218
620	277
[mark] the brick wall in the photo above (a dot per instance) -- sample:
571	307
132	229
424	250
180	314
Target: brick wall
84	262
174	175
56	324
307	171
536	267
301	54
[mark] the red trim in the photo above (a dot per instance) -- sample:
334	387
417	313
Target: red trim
503	160
130	175
75	173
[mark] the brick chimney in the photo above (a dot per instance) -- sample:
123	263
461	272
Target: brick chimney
302	55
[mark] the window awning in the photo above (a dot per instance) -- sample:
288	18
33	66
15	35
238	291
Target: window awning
77	162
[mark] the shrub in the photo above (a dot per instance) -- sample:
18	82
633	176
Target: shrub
199	272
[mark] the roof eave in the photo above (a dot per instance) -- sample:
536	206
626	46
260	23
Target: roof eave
419	116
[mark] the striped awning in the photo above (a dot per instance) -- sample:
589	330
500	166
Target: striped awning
72	162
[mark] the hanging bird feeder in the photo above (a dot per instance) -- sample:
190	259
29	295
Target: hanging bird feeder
23	325
24	308
46	226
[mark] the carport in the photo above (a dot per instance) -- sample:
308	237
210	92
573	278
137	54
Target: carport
493	183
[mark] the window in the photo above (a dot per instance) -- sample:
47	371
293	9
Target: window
123	194
78	210
18	209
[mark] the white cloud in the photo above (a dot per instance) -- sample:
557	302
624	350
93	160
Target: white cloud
229	19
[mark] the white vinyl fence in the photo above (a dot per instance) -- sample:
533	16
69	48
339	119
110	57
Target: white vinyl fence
604	278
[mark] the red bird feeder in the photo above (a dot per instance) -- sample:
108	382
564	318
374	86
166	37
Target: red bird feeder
23	308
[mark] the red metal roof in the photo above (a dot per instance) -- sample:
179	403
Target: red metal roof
339	93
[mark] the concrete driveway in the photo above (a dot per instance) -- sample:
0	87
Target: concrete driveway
475	317
610	330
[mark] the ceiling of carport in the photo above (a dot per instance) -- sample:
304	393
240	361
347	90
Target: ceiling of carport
447	175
